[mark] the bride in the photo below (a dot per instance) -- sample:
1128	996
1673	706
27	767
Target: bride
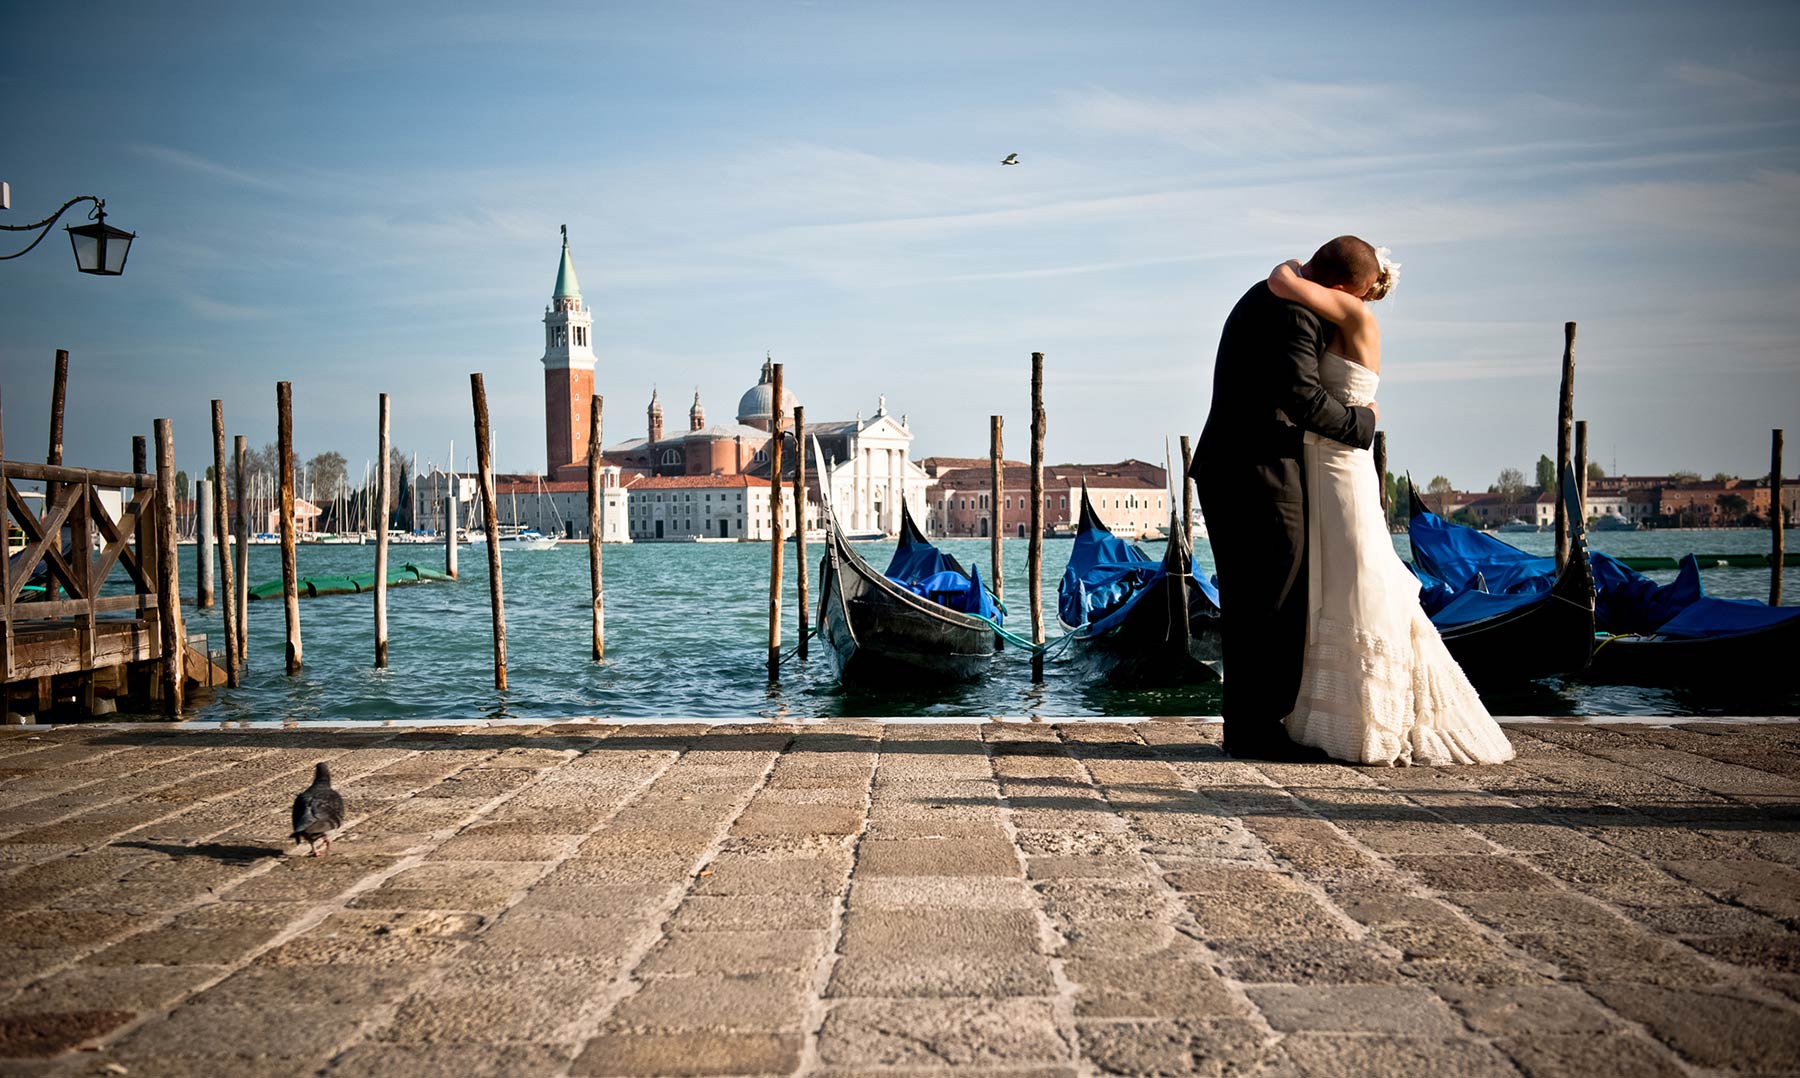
1378	686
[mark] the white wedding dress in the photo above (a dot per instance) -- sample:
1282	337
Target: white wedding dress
1378	685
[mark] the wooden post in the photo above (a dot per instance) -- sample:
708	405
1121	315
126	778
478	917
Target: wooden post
490	518
997	480
775	535
1565	418
6	636
227	586
290	564
59	393
1187	490
168	576
380	515
1380	454
240	455
203	545
1035	573
805	619
1777	526
596	503
1581	466
146	537
450	531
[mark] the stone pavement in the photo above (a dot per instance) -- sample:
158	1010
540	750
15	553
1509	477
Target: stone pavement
853	898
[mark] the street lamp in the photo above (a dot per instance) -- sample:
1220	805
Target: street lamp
99	248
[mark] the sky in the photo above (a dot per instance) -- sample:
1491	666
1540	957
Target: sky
365	198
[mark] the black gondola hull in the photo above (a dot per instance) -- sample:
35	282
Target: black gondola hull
1145	650
880	638
1681	663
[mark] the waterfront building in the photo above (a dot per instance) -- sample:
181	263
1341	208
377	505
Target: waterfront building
703	507
1130	497
868	468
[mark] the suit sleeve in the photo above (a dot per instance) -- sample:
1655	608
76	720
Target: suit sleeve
1305	400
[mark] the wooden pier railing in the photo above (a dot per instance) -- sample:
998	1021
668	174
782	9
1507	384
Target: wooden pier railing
77	629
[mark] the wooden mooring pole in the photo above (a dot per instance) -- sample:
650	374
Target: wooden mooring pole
380	516
6	631
490	521
596	518
1777	526
1035	570
240	456
1581	467
290	563
1187	490
450	532
1565	419
775	533
997	480
805	616
203	544
146	537
227	585
1380	454
59	395
173	636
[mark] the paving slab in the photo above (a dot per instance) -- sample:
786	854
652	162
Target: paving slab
853	898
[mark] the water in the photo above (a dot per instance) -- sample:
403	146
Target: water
687	637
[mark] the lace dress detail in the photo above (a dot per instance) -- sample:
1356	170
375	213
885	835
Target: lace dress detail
1378	685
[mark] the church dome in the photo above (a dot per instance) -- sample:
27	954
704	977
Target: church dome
757	406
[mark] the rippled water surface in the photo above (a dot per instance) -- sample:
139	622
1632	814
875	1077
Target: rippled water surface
686	637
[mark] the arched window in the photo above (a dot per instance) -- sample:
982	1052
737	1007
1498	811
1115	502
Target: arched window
671	456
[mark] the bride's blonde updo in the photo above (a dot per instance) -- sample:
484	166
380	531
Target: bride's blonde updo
1386	276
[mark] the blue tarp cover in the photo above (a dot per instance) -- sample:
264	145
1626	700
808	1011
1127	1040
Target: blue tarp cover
930	573
1106	577
1450	560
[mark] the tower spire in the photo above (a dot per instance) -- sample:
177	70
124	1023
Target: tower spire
567	287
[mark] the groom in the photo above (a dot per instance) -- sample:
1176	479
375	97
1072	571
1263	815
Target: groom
1266	394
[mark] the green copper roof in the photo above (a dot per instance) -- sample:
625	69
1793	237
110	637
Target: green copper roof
566	284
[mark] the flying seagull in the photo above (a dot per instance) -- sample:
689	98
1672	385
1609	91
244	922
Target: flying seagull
318	811
1011	159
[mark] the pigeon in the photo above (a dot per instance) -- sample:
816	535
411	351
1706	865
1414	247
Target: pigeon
1011	159
318	811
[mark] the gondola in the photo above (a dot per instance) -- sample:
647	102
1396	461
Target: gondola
1504	631
895	627
1123	609
1645	634
1707	640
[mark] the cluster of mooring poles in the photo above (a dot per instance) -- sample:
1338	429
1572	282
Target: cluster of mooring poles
216	521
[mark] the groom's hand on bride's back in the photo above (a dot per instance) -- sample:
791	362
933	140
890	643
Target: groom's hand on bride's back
1374	410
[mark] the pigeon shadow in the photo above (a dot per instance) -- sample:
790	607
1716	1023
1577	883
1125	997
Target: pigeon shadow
214	851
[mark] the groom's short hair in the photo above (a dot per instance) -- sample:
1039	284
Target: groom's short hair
1346	261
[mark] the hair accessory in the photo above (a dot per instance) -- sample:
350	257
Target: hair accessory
1390	269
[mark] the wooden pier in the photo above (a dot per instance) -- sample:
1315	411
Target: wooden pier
100	643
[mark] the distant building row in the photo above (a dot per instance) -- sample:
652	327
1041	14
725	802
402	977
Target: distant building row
1660	501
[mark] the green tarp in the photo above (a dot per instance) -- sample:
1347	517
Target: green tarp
310	586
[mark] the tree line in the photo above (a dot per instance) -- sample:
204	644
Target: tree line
324	480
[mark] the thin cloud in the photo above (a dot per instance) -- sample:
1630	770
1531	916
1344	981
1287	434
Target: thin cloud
202	166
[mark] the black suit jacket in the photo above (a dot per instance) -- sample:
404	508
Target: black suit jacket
1266	392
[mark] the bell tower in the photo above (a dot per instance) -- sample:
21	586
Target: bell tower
568	373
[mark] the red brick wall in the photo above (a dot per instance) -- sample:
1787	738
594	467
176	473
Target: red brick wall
567	394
